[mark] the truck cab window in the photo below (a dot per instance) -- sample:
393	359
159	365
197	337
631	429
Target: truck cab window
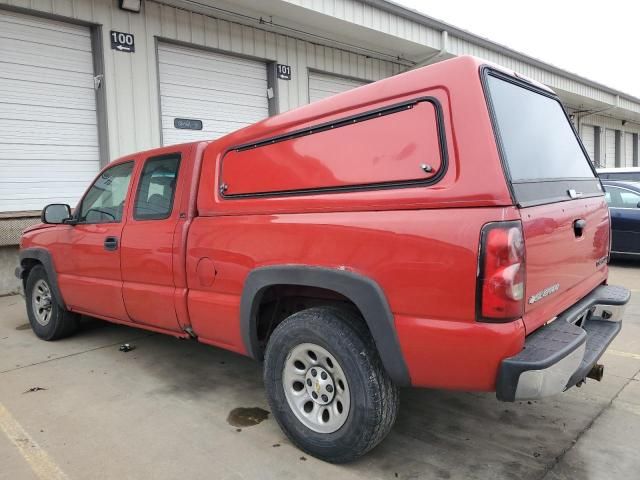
156	189
104	202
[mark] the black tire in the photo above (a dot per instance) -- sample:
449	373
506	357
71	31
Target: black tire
373	396
61	323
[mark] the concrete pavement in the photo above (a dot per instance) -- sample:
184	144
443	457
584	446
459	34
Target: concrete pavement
160	411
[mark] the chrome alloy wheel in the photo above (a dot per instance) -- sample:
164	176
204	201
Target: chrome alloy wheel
41	302
316	388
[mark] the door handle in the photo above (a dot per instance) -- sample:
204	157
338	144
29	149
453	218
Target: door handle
111	243
578	226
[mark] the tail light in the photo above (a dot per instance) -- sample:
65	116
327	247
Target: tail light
501	273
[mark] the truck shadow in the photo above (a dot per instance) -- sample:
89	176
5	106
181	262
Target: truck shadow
191	370
472	435
438	434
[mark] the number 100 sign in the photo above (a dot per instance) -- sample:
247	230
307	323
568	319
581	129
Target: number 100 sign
123	42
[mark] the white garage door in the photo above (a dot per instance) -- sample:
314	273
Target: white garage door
610	148
323	85
48	130
628	150
589	140
224	92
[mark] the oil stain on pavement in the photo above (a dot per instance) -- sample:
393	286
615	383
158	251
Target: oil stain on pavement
247	417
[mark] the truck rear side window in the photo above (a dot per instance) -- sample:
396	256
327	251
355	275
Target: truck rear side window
541	153
157	188
401	145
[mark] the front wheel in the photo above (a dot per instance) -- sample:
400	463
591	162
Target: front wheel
49	321
326	385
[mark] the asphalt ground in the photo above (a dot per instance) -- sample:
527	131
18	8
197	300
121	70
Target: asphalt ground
161	411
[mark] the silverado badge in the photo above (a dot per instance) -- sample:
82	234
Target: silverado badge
544	293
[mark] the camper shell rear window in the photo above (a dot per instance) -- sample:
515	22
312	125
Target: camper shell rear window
541	153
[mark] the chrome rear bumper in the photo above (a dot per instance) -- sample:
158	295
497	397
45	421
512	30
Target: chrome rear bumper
561	354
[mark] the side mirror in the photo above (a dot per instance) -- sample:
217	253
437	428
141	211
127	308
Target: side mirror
56	213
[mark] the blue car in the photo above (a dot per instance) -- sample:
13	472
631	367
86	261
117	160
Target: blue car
624	204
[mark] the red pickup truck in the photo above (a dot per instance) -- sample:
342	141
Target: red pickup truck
443	228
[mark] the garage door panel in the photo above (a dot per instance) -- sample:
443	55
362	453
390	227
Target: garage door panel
46	26
30	73
588	140
25	140
22	193
31	200
172	138
216	95
336	85
228	113
206	61
37	191
42	133
217	68
51	153
610	147
44	94
31	170
225	92
219	82
28	204
38	188
46	114
230	102
225	84
628	150
55	38
174	107
323	85
36	54
49	148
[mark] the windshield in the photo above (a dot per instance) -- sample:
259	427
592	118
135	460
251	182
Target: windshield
537	139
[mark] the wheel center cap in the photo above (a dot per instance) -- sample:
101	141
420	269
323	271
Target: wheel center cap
319	385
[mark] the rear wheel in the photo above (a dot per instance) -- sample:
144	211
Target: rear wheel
49	321
326	384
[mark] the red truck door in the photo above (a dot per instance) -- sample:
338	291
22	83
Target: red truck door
147	242
88	253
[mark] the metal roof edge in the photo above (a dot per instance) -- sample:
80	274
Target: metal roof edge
419	17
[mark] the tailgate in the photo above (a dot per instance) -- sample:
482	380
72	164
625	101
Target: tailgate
564	262
565	219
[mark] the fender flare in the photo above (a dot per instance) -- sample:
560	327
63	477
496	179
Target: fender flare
44	257
365	293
